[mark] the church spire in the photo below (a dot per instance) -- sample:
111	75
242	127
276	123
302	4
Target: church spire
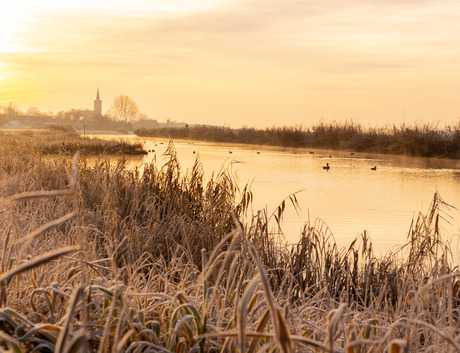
97	104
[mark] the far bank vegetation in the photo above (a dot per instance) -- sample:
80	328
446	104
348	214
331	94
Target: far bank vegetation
415	140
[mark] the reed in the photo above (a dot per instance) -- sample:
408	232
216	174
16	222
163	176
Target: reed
100	257
65	141
427	140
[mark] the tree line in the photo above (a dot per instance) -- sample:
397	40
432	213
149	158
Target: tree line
123	109
123	115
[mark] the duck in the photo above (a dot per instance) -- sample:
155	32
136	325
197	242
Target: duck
374	168
327	167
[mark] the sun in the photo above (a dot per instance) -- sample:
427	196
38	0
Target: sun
8	30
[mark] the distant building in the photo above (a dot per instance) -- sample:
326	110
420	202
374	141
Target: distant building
15	125
97	105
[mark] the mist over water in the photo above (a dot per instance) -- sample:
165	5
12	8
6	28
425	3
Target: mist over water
350	197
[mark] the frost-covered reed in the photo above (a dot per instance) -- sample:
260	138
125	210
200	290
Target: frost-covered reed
98	257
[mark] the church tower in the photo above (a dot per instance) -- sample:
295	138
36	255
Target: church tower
97	105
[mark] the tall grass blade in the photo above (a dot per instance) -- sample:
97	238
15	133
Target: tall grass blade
12	342
281	330
37	261
63	335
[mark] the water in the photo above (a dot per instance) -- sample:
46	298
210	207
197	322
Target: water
349	197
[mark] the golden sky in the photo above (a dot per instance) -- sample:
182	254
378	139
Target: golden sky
239	63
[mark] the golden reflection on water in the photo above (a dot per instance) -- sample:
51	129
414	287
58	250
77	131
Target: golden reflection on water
350	197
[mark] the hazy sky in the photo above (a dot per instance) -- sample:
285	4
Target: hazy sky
249	62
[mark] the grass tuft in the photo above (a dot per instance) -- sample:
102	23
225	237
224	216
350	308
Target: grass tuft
99	257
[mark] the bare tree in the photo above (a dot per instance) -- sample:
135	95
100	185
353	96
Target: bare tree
34	111
124	109
11	110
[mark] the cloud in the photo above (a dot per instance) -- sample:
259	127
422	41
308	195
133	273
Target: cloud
286	42
261	32
248	51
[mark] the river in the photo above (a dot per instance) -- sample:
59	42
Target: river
349	197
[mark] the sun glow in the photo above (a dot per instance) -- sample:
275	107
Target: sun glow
158	6
7	31
226	59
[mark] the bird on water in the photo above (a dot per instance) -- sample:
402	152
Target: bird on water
374	168
327	167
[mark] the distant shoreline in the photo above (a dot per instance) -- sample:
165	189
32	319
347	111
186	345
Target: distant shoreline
420	141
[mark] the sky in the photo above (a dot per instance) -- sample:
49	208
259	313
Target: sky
255	63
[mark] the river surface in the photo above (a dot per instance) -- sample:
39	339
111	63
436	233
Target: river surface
350	197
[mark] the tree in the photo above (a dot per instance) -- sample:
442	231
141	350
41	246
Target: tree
11	110
34	111
124	109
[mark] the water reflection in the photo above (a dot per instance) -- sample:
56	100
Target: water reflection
350	197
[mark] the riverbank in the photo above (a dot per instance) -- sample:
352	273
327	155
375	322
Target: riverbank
95	256
424	141
64	140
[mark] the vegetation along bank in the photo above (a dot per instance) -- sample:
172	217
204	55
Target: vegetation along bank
426	140
98	257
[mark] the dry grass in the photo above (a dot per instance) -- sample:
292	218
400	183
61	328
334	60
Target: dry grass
64	140
96	257
428	140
